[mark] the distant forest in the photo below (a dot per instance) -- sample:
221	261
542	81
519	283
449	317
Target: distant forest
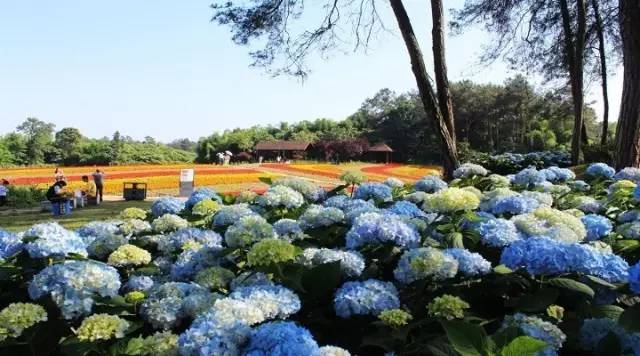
513	116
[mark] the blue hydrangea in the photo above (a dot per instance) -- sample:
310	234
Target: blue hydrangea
601	170
425	262
515	205
470	264
636	193
594	330
310	191
498	232
417	198
176	241
373	191
51	239
281	338
579	185
166	205
10	244
289	229
96	229
250	278
630	230
73	285
273	301
529	176
597	226
629	216
199	195
560	174
468	170
139	283
538	329
393	182
544	256
169	303
368	297
190	262
208	335
634	278
229	214
103	245
430	184
281	196
248	230
358	207
629	173
406	208
336	201
351	262
371	228
317	216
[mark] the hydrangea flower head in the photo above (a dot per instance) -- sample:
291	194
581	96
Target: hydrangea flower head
515	205
169	303
317	216
373	191
51	239
102	246
395	317
271	251
629	173
538	329
248	230
166	205
451	200
208	335
102	327
10	244
601	170
310	191
425	262
281	196
135	227
289	229
176	241
430	184
139	283
168	222
468	170
229	214
498	232
469	263
351	262
407	209
273	301
201	194
214	277
206	207
594	330
133	213
96	229
597	226
393	182
553	223
16	317
73	284
378	228
448	307
529	176
369	297
281	338
129	255
160	343
634	278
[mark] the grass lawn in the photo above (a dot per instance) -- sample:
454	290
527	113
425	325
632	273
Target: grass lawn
18	220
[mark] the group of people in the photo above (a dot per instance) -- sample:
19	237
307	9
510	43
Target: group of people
92	190
223	158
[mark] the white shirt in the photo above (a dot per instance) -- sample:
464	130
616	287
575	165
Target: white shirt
3	191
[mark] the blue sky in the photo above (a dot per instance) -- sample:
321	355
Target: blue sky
161	68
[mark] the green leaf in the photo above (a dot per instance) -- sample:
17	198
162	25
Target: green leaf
73	347
502	269
320	281
601	282
630	318
266	180
503	337
468	339
571	285
606	311
523	346
538	301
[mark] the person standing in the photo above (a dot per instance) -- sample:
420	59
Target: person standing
59	174
98	179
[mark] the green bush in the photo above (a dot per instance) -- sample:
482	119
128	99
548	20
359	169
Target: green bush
24	196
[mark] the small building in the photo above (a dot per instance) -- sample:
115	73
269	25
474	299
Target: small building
380	152
281	148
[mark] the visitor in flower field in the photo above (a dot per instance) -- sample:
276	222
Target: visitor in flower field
4	191
58	174
98	179
89	190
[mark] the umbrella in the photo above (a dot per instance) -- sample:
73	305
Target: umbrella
229	153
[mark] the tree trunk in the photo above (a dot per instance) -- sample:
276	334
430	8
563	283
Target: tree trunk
603	71
575	61
427	94
440	67
628	128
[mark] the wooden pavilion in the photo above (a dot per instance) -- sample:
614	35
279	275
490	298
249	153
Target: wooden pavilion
380	152
285	149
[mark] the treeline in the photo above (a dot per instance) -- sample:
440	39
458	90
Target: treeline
513	116
36	142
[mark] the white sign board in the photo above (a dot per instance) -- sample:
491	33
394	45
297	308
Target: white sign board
186	175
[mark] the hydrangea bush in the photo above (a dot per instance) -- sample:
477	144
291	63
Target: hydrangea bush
540	262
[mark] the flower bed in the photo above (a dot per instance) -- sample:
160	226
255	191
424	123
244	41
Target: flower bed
536	263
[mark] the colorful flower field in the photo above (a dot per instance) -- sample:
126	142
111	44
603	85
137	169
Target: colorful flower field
532	263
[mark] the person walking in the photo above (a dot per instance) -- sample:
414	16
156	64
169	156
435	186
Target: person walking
98	179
